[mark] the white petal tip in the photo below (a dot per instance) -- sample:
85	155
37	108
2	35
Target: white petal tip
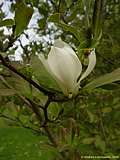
91	65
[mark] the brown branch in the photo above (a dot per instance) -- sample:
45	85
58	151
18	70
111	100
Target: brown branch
45	109
17	120
50	93
50	135
35	109
10	43
55	95
29	103
39	87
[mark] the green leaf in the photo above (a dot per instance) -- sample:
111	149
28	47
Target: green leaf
42	23
23	15
70	29
7	22
11	110
96	39
106	110
6	92
91	116
97	21
68	3
88	140
111	86
56	19
41	74
53	110
105	79
99	143
44	9
21	144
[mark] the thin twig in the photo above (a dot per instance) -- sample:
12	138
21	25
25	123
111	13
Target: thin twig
17	120
46	112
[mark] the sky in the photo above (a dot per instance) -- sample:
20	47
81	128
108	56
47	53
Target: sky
30	31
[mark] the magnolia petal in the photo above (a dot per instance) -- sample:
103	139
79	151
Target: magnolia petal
44	61
58	43
64	67
47	67
66	48
91	65
62	45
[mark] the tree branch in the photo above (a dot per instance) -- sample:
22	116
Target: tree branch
17	120
33	83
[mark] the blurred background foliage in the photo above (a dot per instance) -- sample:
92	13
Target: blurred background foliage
86	125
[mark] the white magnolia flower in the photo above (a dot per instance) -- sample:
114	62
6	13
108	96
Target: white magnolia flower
65	67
